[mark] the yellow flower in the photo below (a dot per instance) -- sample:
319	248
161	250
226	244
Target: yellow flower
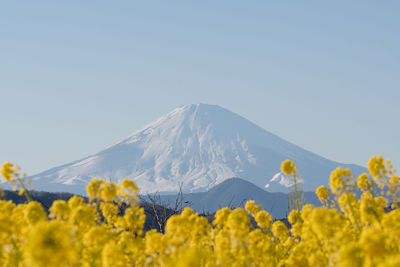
83	216
93	188
34	213
221	216
288	167
193	257
7	171
97	237
392	261
251	207
376	165
113	256
350	206
362	182
372	208
351	255
128	191
129	184
373	242
323	194
263	219
59	210
75	202
50	244
110	212
352	231
239	221
294	217
280	230
154	242
109	191
133	219
338	180
321	218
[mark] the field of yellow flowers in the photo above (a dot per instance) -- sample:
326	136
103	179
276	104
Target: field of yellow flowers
358	225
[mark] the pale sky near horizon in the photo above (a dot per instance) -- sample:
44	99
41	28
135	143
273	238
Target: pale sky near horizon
76	76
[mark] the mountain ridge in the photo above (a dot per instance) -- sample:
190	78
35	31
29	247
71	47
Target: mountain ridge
234	192
197	146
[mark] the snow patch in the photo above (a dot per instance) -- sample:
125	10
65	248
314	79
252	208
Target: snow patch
197	146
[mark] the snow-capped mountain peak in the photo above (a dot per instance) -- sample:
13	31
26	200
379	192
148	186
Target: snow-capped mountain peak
195	146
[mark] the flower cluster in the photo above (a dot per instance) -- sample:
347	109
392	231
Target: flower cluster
288	167
353	227
296	194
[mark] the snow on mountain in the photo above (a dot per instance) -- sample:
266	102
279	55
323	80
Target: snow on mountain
197	147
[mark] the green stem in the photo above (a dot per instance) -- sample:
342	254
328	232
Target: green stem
26	193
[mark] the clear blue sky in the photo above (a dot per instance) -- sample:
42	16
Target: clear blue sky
76	76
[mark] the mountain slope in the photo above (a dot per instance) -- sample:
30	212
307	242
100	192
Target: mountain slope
234	192
196	146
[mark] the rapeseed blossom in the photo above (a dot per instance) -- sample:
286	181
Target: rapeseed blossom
50	244
358	225
7	171
323	194
288	167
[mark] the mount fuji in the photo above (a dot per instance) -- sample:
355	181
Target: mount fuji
194	147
